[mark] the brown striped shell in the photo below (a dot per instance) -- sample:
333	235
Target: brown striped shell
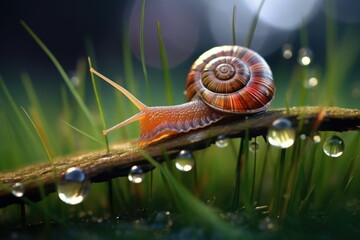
231	79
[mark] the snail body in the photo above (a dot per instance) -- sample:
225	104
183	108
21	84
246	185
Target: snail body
224	81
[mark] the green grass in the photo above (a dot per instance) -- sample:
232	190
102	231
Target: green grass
272	193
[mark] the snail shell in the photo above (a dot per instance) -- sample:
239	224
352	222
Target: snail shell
231	79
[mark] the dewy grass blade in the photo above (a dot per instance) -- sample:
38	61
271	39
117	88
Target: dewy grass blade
83	133
62	73
98	101
165	68
142	53
39	134
253	25
234	26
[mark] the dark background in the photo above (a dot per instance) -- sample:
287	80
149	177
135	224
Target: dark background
64	26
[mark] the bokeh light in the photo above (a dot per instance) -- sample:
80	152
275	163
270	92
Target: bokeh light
179	27
277	21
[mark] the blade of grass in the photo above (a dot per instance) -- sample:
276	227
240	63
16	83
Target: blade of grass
142	53
80	76
165	68
31	92
62	73
262	173
304	70
83	133
66	138
253	25
236	197
246	184
278	185
234	26
98	101
43	142
36	112
331	59
253	174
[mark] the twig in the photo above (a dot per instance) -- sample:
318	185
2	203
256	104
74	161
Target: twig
101	166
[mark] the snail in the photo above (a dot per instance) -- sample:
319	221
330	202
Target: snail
222	82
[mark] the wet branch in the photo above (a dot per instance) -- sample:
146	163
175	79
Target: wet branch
101	166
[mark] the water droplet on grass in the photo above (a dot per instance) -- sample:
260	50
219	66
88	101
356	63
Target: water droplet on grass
18	189
185	161
334	146
74	186
136	174
316	138
311	83
287	51
305	56
281	134
303	136
222	141
253	146
267	224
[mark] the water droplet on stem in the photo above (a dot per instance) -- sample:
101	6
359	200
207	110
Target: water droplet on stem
334	146
185	161
281	133
222	141
18	189
74	186
136	174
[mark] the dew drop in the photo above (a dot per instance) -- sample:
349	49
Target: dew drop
185	161
74	186
305	56
253	147
281	134
311	83
222	141
316	138
333	146
287	51
18	189
267	224
303	136
74	78
136	174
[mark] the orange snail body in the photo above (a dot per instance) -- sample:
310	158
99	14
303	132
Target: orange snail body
223	81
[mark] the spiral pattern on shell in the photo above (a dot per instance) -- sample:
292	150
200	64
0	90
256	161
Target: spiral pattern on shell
231	79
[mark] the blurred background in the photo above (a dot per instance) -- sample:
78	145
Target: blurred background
189	28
